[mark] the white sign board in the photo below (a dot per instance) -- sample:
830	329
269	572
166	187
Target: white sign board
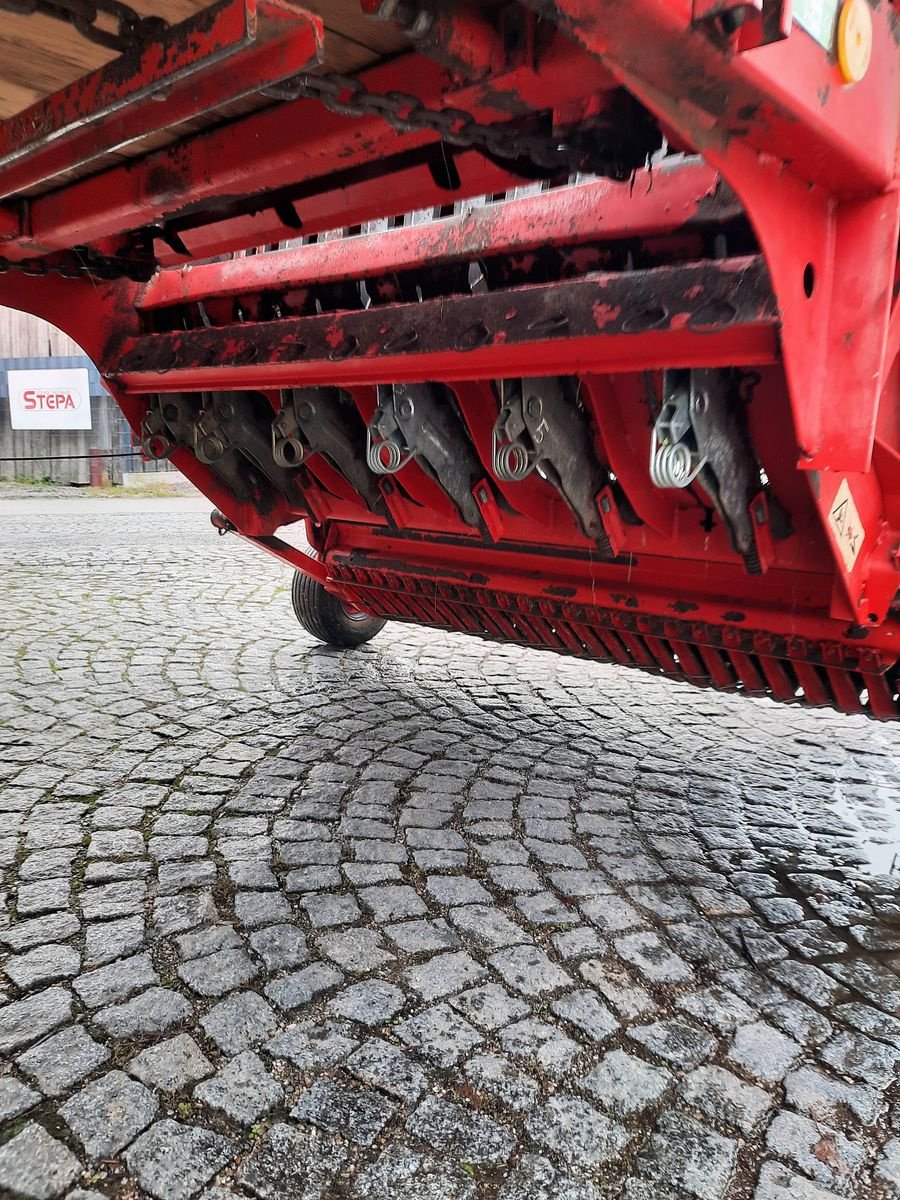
818	18
50	399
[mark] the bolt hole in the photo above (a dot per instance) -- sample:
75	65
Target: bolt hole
809	280
873	618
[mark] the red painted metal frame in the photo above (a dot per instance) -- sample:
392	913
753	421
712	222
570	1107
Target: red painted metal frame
776	120
812	163
560	217
224	52
603	322
258	154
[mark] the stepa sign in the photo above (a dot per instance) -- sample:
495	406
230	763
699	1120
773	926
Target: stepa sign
50	399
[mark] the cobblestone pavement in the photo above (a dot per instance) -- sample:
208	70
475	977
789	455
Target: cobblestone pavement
431	919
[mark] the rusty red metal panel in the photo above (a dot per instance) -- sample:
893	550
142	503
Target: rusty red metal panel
737	263
599	209
697	313
294	144
224	52
788	100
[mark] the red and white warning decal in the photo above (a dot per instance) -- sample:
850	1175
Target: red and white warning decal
843	517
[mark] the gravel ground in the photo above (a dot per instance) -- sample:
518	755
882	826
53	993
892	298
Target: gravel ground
433	919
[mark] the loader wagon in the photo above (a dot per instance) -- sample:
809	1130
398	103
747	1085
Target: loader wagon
565	323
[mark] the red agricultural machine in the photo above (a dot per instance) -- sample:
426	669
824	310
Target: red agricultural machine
569	323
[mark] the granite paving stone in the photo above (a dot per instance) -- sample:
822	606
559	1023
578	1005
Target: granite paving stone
496	1076
433	919
281	947
313	1044
239	1022
814	1149
172	1065
576	1132
116	981
218	973
439	1034
24	1021
172	1161
453	1129
401	1173
528	970
443	974
372	1002
725	1099
109	1113
35	1166
359	1113
625	1085
105	941
689	1155
62	1060
679	1042
15	1098
387	1067
153	1011
290	1161
42	965
762	1052
243	1090
542	1044
489	1006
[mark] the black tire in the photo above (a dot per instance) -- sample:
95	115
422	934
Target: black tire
326	618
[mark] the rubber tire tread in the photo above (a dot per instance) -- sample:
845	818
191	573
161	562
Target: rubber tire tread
322	615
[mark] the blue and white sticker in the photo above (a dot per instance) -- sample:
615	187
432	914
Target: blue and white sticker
818	18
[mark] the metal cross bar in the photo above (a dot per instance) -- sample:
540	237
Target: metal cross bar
596	210
224	52
709	313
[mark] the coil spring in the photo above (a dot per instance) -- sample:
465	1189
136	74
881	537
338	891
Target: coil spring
156	446
512	461
289	452
674	466
385	457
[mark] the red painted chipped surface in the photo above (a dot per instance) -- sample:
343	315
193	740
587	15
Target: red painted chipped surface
771	250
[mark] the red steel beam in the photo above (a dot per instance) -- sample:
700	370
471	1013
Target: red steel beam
787	99
564	216
294	143
790	605
229	50
339	204
710	313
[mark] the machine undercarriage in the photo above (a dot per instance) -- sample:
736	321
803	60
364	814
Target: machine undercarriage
573	325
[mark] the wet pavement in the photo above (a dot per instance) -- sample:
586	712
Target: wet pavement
432	919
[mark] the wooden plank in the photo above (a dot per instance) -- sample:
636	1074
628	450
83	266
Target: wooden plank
39	55
25	336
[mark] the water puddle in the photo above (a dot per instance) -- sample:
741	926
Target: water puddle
875	818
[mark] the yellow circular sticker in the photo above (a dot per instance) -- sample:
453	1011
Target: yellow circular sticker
854	40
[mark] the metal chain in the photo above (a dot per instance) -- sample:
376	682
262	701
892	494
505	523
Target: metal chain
348	97
81	263
132	31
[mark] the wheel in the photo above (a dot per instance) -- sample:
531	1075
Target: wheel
328	618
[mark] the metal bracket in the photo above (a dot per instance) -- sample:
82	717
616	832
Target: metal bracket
542	428
324	421
386	448
701	434
676	459
222	53
417	420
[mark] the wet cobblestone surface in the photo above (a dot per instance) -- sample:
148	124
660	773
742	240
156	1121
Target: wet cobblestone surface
432	919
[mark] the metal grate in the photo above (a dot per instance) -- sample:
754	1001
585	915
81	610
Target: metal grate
727	658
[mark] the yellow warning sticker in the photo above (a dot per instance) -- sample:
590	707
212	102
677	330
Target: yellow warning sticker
846	526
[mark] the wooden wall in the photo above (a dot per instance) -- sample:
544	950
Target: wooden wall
24	336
